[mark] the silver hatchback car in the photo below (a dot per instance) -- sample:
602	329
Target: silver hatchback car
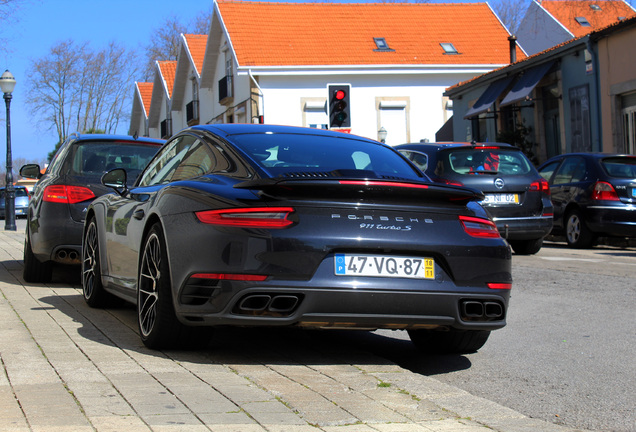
21	201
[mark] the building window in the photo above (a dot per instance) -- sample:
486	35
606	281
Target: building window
449	48
628	103
580	119
583	21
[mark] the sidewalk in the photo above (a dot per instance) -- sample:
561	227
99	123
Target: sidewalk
67	367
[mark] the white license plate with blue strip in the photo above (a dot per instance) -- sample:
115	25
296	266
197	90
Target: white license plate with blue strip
384	266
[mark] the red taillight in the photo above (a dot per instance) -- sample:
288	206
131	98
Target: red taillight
478	227
67	194
498	285
604	191
229	276
541	186
265	217
382	183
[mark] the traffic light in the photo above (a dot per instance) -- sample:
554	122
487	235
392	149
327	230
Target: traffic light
339	107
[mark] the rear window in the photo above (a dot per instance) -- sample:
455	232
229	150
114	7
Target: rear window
97	157
623	167
495	161
287	154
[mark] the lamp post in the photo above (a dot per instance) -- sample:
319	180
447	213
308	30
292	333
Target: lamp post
382	133
7	83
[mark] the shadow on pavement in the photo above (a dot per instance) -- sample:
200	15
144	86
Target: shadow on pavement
259	345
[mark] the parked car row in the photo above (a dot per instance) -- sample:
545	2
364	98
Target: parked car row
260	225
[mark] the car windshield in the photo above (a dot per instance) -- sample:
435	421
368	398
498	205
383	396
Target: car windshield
620	167
19	192
496	161
97	157
284	154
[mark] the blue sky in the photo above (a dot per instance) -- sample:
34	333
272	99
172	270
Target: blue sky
39	24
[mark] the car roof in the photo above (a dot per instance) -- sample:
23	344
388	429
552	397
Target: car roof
115	137
455	145
592	155
228	129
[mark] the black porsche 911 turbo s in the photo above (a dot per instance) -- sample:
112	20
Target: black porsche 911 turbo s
260	225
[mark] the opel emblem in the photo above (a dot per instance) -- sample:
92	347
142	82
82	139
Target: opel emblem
499	183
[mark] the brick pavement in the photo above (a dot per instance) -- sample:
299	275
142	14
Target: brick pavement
66	367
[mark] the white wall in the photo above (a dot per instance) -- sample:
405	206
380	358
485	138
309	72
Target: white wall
421	94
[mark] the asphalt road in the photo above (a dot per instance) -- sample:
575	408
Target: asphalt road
567	354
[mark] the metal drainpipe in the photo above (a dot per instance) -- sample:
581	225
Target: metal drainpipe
261	101
597	93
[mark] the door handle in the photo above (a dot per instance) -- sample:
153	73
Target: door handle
139	214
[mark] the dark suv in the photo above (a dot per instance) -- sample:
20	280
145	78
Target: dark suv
517	197
61	196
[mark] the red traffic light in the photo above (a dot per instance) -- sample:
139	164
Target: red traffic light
340	94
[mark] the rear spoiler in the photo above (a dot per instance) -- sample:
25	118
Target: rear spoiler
364	188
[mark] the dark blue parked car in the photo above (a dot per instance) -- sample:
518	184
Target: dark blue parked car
594	194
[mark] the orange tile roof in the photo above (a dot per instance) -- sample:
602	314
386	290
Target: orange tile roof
196	45
566	12
298	34
168	71
145	92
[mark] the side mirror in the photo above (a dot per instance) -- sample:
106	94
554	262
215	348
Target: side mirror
31	171
116	179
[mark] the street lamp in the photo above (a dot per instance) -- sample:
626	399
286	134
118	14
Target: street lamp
7	83
382	133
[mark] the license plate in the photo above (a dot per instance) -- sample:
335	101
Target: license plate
384	266
501	199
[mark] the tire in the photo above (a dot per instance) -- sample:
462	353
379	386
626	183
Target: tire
526	247
449	342
92	288
159	327
577	234
34	270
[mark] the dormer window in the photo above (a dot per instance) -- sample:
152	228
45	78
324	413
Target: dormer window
449	48
381	45
583	21
595	7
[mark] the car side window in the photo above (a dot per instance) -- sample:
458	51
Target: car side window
547	171
571	171
164	165
419	159
199	160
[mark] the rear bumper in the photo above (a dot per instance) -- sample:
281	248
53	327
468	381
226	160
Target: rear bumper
477	309
524	228
612	220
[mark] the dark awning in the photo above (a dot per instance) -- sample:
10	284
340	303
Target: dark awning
486	99
526	83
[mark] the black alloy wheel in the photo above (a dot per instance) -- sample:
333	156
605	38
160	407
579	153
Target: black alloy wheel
92	288
158	324
35	270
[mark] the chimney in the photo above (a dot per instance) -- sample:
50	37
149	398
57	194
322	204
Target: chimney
513	48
